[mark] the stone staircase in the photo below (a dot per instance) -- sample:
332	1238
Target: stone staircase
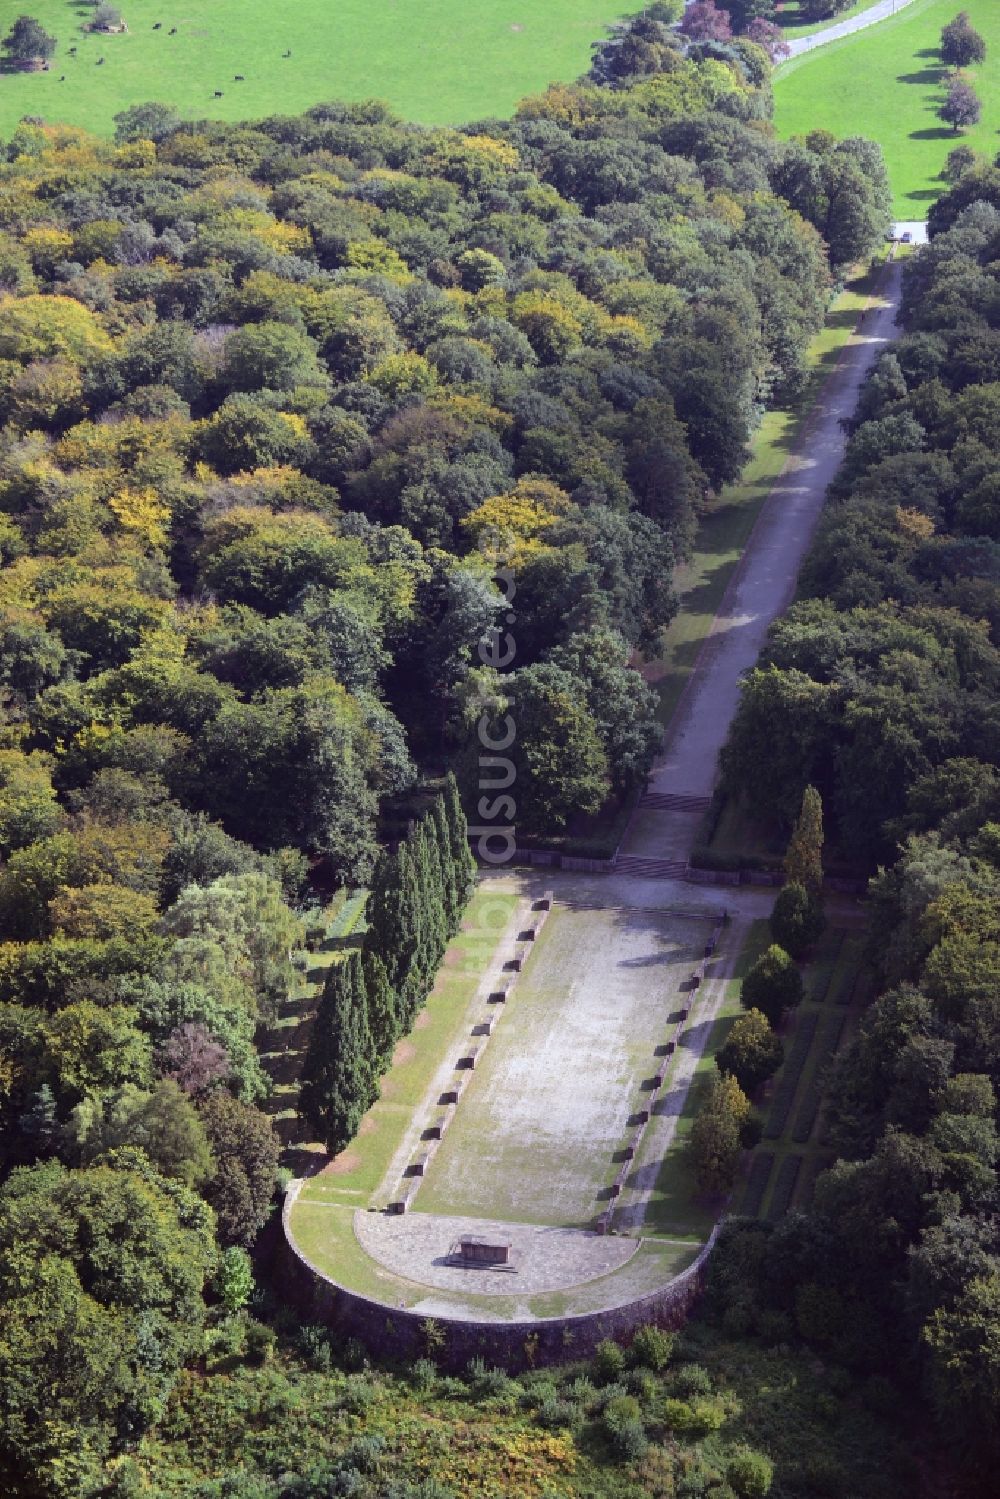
651	869
674	801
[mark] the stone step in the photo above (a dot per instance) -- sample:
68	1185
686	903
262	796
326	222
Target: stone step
653	869
674	801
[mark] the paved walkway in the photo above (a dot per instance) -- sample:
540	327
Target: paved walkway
417	1246
761	588
879	12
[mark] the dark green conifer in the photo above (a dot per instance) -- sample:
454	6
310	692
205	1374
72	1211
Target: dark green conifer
449	889
338	1081
458	829
383	1018
433	934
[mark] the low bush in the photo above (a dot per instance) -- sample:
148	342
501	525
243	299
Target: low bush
609	1362
652	1348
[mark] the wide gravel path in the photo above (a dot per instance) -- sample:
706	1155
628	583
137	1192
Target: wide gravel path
832	33
764	581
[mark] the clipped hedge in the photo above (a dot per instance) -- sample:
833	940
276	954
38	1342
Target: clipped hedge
784	1187
788	1081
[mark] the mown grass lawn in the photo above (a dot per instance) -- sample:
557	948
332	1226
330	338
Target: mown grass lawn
886	83
437	61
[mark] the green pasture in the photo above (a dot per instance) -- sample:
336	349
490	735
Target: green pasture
886	83
436	61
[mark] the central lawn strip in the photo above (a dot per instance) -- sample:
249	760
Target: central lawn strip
845	973
726	525
534	1136
357	1174
674	1205
822	967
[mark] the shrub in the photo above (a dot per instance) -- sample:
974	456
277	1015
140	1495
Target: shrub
261	1341
694	1418
652	1347
624	1428
752	1052
359	1394
797	919
692	1379
749	1473
609	1361
314	1341
773	985
559	1415
423	1375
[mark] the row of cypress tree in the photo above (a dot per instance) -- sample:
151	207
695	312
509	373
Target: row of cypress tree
415	906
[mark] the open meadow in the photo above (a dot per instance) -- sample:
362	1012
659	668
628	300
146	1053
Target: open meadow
433	60
887	83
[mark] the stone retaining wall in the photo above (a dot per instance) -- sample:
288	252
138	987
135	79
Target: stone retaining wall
394	1332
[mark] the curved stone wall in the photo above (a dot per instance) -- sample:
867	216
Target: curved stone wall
395	1332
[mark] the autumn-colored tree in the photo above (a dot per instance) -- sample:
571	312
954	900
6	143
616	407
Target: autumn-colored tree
716	1143
804	855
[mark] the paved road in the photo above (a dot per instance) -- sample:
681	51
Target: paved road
879	12
762	585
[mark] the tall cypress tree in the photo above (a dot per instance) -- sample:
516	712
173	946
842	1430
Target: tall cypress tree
442	842
383	1011
463	863
433	922
338	1082
406	970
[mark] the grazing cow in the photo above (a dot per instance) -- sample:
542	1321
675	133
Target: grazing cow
99	61
238	78
218	93
172	31
157	25
72	51
63	78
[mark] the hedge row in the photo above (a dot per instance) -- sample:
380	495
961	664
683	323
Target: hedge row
823	971
845	974
784	1187
829	1040
791	1072
760	1175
